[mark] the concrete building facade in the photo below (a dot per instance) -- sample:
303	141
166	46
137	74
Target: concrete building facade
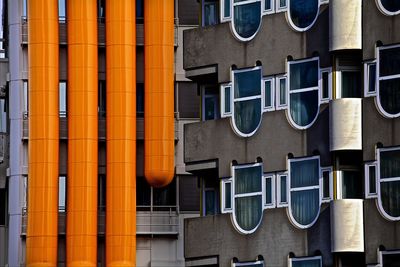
299	145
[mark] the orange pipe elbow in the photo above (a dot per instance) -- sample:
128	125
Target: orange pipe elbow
159	92
42	232
121	133
82	133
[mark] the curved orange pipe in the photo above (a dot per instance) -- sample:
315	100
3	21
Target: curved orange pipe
159	91
82	133
121	133
41	240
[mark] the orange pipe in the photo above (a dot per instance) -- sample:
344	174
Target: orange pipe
41	240
159	91
121	133
82	133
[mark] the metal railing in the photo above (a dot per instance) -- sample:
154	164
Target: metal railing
150	220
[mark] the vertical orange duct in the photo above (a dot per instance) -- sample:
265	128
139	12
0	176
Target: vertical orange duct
159	91
121	133
41	240
82	133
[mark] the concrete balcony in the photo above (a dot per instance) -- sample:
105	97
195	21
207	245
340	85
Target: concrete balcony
156	221
102	128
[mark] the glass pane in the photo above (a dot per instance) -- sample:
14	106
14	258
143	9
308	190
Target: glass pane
210	13
267	5
227	8
391	260
26	97
248	180
268	191
210	202
325	85
389	60
390	192
61	9
282	92
247	115
304	107
3	207
372	179
102	99
209	107
248	211
102	193
325	176
372	78
227	99
3	116
304	173
390	164
139	9
351	84
307	263
140	100
352	185
247	19
165	196
62	99
283	189
24	8
268	94
389	95
143	193
228	196
61	193
305	205
248	83
303	12
304	75
282	3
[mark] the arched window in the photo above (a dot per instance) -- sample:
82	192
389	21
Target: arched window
242	100
304	196
303	79
388	80
389	182
302	14
389	7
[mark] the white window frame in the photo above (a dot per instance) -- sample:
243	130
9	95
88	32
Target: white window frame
385	252
233	5
222	9
291	23
330	186
368	194
25	88
247	264
272	106
62	98
280	8
384	10
291	218
291	260
338	88
268	11
378	79
382	180
223	183
279	105
222	105
273	203
280	204
367	75
62	184
321	83
300	90
260	96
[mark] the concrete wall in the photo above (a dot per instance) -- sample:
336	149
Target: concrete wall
274	239
272	142
275	41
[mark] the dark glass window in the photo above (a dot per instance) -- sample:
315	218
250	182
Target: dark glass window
3	207
352	184
391	259
247	115
101	197
372	179
189	193
139	11
165	196
307	263
140	100
325	85
391	5
325	177
247	19
268	191
210	12
283	191
102	95
228	195
390	181
351	84
372	78
227	99
303	13
268	94
143	193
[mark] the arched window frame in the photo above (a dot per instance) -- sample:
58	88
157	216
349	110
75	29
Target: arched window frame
384	10
292	24
379	78
289	92
290	190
